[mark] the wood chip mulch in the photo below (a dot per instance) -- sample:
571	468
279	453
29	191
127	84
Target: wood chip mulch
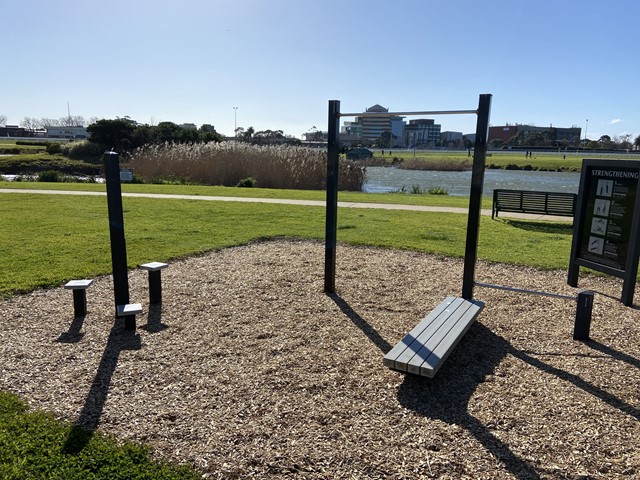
248	370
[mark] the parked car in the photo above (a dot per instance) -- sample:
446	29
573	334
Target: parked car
359	153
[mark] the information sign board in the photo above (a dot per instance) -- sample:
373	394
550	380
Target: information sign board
605	229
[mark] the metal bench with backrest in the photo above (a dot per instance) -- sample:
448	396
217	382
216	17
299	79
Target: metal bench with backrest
529	201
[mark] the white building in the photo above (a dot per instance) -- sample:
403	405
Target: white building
66	132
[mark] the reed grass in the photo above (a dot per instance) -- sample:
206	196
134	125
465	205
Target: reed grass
227	163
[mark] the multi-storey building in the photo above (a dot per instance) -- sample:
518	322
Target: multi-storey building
422	132
550	134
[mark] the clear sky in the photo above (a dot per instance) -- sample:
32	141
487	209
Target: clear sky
559	62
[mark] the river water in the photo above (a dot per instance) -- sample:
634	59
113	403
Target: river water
389	179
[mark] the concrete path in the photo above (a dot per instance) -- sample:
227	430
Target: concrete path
311	203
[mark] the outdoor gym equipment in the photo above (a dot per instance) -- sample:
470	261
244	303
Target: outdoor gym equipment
425	348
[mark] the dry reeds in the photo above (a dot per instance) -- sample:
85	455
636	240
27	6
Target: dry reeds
228	163
444	165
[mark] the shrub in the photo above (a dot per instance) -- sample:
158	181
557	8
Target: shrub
438	191
83	150
50	176
247	182
53	148
228	163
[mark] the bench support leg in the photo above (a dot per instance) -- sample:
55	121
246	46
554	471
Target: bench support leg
583	316
155	287
130	322
79	302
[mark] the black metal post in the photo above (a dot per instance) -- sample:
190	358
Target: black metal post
583	315
332	197
155	286
79	303
475	197
116	233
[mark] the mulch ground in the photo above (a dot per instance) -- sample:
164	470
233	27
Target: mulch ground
248	370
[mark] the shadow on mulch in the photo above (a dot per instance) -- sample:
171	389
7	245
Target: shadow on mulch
446	397
87	423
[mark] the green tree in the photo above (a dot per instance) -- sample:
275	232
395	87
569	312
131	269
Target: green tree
636	142
116	134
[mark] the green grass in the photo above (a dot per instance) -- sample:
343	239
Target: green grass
319	195
33	445
29	163
569	161
44	249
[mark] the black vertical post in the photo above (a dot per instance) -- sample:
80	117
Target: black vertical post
116	233
475	197
332	197
155	286
79	302
583	315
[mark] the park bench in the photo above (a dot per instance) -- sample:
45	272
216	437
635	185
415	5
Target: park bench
525	201
425	348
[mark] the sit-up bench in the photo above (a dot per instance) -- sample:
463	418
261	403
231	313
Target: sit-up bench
155	282
79	288
425	348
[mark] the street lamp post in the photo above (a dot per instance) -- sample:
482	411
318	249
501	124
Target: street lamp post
585	132
235	121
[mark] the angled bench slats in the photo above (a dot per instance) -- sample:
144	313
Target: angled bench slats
425	348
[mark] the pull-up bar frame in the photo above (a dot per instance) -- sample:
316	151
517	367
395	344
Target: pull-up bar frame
408	114
475	197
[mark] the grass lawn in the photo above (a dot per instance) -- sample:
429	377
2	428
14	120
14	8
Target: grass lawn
569	161
34	445
43	248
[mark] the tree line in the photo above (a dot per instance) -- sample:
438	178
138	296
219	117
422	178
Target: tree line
124	134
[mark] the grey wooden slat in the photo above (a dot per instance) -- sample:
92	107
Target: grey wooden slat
431	366
409	338
425	348
436	335
402	362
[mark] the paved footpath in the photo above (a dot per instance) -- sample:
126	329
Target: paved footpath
312	203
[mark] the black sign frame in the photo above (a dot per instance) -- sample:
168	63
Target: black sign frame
606	227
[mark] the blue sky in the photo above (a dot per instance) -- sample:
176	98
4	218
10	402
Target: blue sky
279	61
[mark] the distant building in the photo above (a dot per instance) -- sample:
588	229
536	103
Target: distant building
14	131
67	132
451	139
371	127
549	134
421	132
189	126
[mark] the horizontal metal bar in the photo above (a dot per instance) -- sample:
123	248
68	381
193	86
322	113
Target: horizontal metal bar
378	114
522	290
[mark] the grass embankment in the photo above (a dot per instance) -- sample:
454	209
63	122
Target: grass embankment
35	445
569	162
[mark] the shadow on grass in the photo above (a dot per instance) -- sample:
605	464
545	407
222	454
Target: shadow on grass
87	423
560	228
